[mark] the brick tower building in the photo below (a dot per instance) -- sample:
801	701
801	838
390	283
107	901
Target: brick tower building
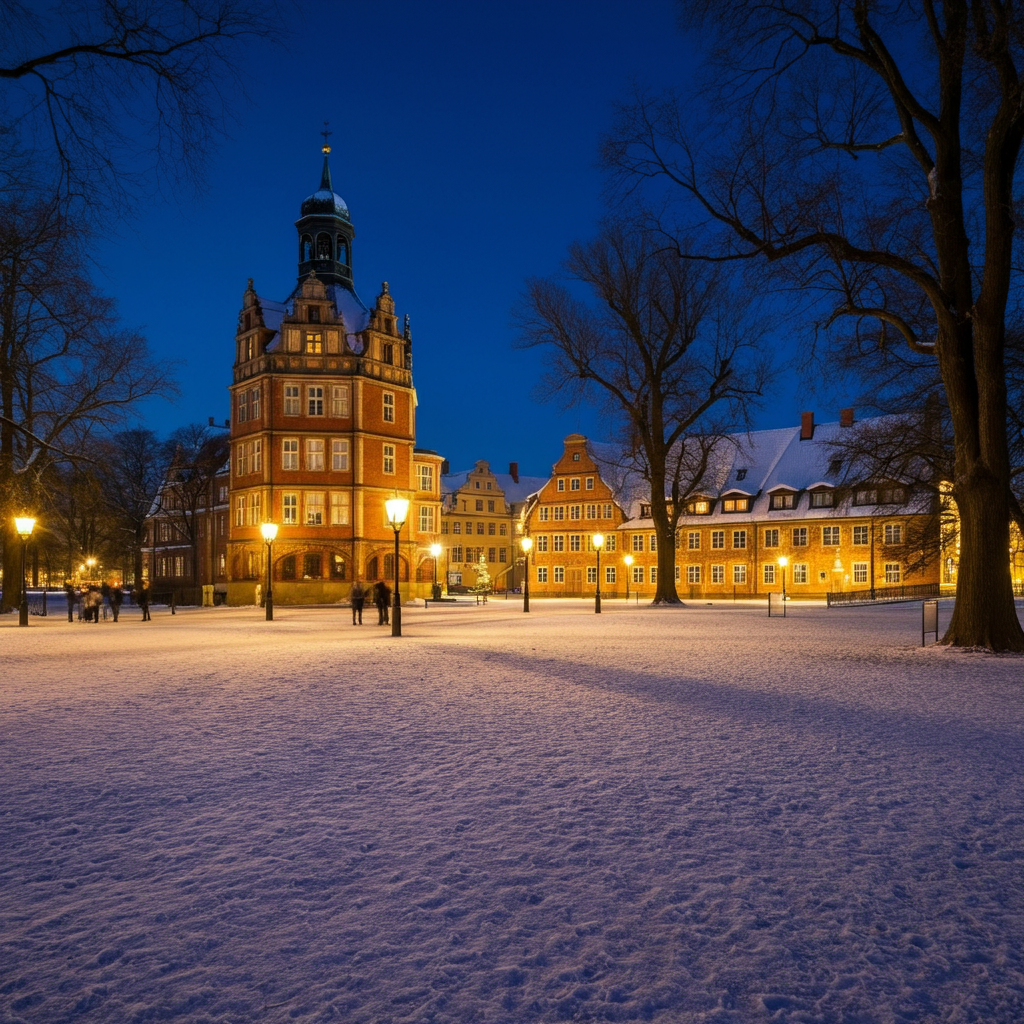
323	429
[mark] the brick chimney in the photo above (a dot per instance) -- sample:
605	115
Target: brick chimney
806	426
513	471
846	417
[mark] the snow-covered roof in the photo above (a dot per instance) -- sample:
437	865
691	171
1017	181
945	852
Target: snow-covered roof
515	491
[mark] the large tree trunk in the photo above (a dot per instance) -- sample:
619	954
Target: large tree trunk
664	530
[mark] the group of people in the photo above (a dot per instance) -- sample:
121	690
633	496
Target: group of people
93	600
379	593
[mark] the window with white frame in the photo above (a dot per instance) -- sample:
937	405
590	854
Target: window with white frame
693	574
718	574
543	514
609	542
607	511
339	401
339	456
427	519
240	510
575	542
860	536
830	536
654	574
560	484
242	459
542	542
609	574
290	453
389	407
591	511
860	572
717	540
425	475
892	572
314	508
638	573
574	484
782	501
290	509
315	400
590	483
255	509
558	513
257	456
799	572
893	533
254	404
769	572
739	538
591	573
654	542
559	574
389	458
243	406
455	553
340	506
799	536
771	538
739	573
575	511
693	540
677	574
558	542
638	542
314	453
291	399
456	527
542	574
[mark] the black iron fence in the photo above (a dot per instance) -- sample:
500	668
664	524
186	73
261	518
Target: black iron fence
884	595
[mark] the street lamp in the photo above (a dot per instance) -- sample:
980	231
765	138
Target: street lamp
397	509
24	525
526	543
435	591
598	542
269	531
783	562
629	572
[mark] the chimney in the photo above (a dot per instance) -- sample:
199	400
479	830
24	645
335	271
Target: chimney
846	417
806	426
210	420
513	471
445	467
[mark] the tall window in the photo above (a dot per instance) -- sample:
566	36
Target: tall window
291	399
543	514
559	574
542	542
255	509
243	406
242	459
830	536
240	510
389	458
609	542
314	453
254	403
638	542
575	542
591	573
609	574
339	508
693	574
860	535
426	477
389	407
800	572
339	456
860	572
739	574
718	574
693	540
892	572
290	453
654	542
427	519
290	509
339	400
312	566
257	456
769	572
771	538
739	538
574	484
542	574
893	533
717	539
558	542
799	536
654	574
314	508
315	400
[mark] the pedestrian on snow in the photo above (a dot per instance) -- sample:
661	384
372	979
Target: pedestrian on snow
105	602
144	602
358	598
382	598
92	599
69	593
116	600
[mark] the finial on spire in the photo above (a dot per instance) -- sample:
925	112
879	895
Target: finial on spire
325	133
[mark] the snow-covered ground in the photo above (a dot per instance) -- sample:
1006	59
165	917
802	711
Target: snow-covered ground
696	814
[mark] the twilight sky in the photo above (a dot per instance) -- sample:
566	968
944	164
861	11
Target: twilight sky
464	142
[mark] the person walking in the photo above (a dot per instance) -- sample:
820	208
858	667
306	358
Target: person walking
382	599
69	593
358	598
144	602
116	600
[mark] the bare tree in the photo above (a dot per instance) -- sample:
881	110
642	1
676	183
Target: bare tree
195	455
871	151
102	97
662	348
68	370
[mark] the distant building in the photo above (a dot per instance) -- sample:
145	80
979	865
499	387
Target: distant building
323	429
480	517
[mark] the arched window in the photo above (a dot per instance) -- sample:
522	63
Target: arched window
371	569
305	249
342	251
389	568
323	247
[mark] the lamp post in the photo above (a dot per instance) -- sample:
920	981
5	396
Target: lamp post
397	509
269	531
435	591
24	525
629	572
526	543
783	562
598	542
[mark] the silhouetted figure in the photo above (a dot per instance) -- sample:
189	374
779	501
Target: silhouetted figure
144	602
358	598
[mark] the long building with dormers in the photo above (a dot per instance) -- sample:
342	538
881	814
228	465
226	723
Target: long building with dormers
323	430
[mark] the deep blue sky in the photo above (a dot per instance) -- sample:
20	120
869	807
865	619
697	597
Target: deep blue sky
464	141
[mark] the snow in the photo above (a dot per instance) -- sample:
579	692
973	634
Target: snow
696	814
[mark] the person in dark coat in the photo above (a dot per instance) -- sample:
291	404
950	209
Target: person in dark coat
358	598
382	599
144	602
116	600
69	593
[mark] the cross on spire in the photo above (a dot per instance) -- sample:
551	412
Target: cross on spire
325	133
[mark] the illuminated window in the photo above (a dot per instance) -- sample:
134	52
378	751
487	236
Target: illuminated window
314	347
821	499
389	407
389	458
314	508
339	401
781	501
339	456
290	508
426	477
314	453
339	508
860	572
291	400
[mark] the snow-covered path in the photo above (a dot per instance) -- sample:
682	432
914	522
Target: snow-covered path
671	815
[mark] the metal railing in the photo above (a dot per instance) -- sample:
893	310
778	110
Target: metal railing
883	595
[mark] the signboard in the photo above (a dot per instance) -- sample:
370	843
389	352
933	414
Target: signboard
929	619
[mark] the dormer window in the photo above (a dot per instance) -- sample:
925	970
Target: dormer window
822	499
782	500
645	511
314	314
735	504
741	473
700	507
